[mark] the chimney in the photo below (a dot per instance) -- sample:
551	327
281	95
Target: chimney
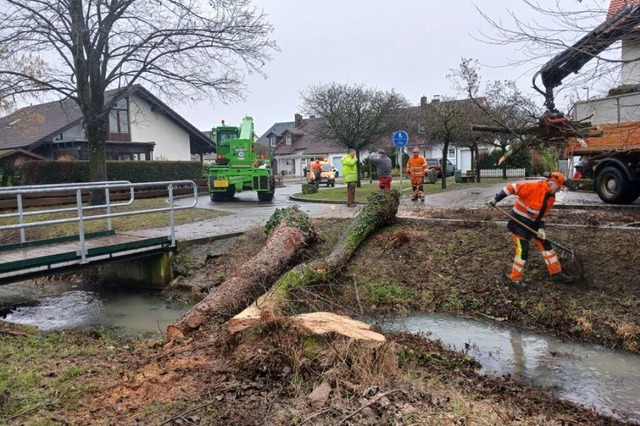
298	120
435	98
423	101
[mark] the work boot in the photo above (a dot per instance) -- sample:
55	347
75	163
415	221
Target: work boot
518	285
561	277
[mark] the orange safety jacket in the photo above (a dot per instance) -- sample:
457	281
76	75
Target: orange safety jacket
416	166
530	198
317	167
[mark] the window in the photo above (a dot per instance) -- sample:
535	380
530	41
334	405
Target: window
119	117
272	141
223	138
119	129
288	140
452	152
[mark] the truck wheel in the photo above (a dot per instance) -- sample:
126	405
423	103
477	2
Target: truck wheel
268	195
612	186
217	196
230	192
633	193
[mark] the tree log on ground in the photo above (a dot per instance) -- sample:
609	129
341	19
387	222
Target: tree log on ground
380	211
289	231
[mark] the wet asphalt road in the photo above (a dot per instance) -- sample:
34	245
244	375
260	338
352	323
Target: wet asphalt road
247	212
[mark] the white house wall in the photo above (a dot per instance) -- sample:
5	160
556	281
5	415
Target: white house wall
630	73
172	142
614	109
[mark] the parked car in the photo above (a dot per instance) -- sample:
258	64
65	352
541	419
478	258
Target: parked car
436	164
328	176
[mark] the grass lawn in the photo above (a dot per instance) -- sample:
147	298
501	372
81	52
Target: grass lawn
363	193
119	224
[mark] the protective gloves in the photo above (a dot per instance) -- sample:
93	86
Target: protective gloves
541	234
491	202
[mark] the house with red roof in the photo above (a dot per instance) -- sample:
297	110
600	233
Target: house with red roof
295	144
630	53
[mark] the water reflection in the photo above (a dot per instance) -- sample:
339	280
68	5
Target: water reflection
62	306
590	375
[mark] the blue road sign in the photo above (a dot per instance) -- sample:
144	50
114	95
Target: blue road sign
400	138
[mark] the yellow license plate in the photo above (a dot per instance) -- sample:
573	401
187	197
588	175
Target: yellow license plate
220	183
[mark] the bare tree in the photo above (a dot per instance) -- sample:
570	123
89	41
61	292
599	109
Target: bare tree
446	124
182	49
353	116
550	28
511	112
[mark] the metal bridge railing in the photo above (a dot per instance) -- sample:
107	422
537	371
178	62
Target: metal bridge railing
20	191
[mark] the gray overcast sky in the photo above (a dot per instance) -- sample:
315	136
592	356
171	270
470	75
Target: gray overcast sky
406	45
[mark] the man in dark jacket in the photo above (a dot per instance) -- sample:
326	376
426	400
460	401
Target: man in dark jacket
383	169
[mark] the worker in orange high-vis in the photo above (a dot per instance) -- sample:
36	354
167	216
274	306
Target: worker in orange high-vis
316	167
416	169
533	204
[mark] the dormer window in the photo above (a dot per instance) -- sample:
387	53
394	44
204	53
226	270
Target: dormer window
272	141
288	140
119	121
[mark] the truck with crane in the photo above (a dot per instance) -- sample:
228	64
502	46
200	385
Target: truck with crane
237	166
605	132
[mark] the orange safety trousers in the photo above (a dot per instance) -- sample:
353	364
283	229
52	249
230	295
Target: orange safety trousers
522	254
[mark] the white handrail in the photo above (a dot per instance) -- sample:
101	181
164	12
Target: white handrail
80	218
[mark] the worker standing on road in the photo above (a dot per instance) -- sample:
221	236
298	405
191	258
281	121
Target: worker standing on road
350	176
534	202
416	168
383	169
316	167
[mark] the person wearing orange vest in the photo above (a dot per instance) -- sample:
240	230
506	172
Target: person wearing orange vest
533	204
316	167
416	168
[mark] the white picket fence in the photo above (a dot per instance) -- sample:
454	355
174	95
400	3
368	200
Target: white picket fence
497	173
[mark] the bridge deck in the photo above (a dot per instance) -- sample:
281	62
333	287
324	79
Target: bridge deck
20	263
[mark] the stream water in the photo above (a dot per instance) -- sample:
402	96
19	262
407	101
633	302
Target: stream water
589	375
61	305
593	376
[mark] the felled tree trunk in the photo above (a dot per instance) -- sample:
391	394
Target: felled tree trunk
290	230
380	211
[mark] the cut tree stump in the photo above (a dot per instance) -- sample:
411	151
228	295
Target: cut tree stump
289	230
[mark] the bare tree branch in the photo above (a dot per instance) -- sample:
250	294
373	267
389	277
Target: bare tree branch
178	48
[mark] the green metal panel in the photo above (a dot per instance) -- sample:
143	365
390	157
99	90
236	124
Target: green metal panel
38	261
73	255
97	251
57	240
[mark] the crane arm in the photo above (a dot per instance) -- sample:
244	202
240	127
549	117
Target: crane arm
592	44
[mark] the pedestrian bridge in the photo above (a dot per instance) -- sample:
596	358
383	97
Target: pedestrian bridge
25	258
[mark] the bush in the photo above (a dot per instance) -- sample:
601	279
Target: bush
52	172
521	158
584	185
309	188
